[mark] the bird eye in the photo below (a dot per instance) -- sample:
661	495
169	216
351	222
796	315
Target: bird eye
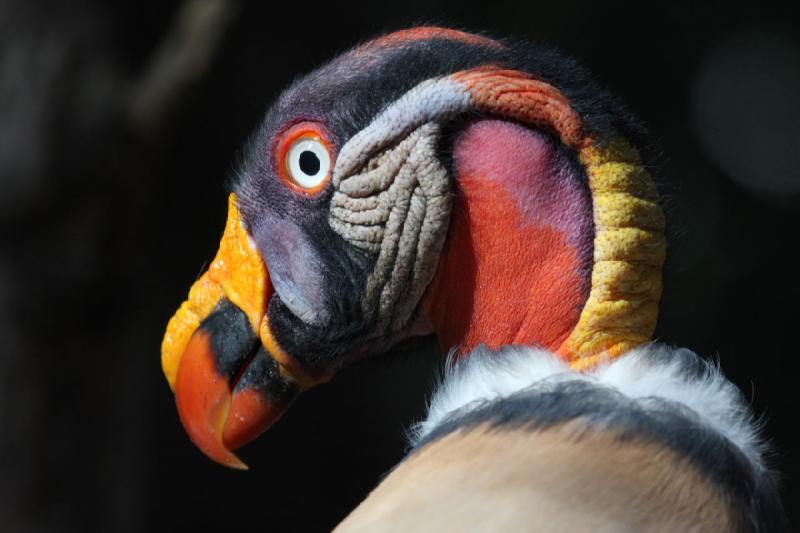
308	162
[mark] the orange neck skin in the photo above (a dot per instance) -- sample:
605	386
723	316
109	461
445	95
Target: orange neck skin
517	263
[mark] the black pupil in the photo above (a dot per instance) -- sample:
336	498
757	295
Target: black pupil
309	163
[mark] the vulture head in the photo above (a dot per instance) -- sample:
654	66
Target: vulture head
427	182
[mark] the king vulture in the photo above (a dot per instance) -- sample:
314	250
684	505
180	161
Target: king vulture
486	191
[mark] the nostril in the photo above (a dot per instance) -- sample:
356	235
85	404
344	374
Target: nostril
232	340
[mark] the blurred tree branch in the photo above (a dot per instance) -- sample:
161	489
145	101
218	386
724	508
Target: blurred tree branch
183	57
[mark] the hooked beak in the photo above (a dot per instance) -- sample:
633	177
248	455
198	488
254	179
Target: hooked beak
231	379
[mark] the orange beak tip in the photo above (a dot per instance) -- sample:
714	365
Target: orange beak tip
203	399
235	463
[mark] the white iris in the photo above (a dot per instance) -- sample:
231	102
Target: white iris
309	162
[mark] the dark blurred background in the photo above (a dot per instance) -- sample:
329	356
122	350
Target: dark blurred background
119	123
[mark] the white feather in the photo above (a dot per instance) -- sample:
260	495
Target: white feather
650	371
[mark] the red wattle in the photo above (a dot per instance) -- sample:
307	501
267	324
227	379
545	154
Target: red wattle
519	208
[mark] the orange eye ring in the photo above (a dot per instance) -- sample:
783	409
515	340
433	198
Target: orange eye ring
305	158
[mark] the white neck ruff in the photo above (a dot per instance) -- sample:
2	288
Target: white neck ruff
653	370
